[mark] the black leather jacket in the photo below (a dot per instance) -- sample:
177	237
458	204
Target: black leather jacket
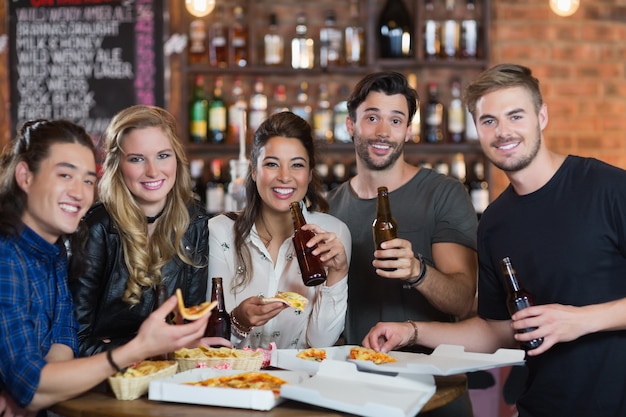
106	321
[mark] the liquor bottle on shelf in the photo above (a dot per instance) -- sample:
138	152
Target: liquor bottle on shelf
471	134
395	30
239	38
198	112
340	113
450	33
469	32
280	99
197	51
311	267
323	116
339	174
330	41
354	36
322	170
302	46
456	113
479	188
302	108
237	113
518	299
217	114
274	44
432	42
458	168
219	321
215	188
196	171
416	123
258	107
434	115
384	227
442	167
218	41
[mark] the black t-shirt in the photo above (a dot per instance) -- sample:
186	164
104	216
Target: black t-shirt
567	244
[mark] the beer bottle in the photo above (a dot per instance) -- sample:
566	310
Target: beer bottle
384	226
219	322
518	299
313	272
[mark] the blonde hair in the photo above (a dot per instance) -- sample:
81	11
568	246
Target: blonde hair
144	261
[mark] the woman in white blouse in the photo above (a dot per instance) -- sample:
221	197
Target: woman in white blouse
252	250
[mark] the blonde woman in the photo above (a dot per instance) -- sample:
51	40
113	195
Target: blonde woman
147	237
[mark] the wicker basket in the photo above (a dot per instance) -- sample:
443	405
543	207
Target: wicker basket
131	388
243	360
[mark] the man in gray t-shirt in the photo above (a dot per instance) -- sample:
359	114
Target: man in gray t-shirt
431	267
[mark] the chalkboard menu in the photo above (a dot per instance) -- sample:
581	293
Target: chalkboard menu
84	60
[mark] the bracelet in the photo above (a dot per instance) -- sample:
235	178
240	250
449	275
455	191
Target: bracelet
414	282
413	340
238	328
112	362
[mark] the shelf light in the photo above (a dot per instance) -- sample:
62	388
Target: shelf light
199	8
564	7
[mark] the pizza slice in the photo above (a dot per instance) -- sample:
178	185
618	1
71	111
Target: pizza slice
292	299
312	354
194	312
248	380
366	354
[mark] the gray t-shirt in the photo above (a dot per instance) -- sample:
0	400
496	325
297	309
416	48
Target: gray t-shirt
430	208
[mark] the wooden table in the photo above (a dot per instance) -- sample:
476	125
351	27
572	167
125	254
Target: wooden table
100	404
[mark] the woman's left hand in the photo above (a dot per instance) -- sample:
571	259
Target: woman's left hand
331	252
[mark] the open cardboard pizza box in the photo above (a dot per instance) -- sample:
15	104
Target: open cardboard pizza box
174	389
444	360
338	385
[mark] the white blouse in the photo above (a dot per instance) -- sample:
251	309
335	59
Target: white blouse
321	322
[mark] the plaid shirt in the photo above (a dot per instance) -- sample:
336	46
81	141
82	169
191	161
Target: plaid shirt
36	311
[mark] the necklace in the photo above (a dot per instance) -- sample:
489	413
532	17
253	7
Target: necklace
266	241
152	219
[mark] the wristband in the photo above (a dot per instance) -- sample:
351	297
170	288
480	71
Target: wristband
238	328
413	340
414	282
115	366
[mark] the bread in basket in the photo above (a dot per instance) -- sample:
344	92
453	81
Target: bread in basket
222	357
135	380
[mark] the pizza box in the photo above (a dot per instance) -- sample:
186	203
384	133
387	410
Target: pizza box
444	360
288	359
173	389
338	385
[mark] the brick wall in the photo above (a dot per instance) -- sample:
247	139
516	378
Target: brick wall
581	64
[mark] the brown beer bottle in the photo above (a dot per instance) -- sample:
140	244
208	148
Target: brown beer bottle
518	299
313	272
384	226
219	322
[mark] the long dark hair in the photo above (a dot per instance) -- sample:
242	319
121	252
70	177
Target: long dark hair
289	125
32	146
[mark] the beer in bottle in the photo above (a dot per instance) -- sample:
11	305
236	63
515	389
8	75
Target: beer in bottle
518	299
219	322
313	272
384	227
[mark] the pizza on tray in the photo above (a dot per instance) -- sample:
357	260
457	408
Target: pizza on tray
247	380
366	354
292	299
312	354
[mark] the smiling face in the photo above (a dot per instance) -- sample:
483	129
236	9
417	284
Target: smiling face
282	173
509	128
61	192
380	129
148	166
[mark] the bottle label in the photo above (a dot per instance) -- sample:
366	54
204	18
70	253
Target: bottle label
217	118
